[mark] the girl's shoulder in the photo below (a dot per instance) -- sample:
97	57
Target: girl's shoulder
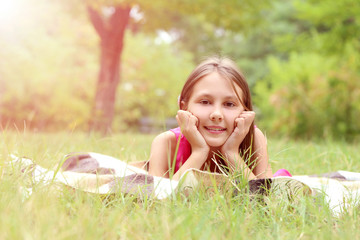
260	137
257	130
168	136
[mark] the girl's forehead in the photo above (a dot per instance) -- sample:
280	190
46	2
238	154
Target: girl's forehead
215	84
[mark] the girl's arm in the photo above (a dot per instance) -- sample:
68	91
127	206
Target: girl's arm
230	149
237	163
199	148
262	167
162	152
196	160
164	146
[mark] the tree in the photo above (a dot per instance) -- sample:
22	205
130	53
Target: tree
111	31
111	26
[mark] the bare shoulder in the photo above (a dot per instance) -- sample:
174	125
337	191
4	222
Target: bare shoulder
162	147
260	138
263	168
167	138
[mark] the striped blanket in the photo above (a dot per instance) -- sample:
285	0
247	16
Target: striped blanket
102	174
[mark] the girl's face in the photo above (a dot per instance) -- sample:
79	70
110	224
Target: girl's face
214	102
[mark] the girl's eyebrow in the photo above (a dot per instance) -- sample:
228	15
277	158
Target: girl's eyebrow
207	95
231	97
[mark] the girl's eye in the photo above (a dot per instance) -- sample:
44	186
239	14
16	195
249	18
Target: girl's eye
229	104
205	102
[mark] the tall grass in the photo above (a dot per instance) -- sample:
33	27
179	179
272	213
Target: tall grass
53	213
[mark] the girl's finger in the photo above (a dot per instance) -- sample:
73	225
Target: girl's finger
182	118
186	120
247	113
193	121
239	123
248	116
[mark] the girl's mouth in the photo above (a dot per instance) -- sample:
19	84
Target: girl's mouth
215	129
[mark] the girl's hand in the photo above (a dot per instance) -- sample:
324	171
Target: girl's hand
242	127
189	128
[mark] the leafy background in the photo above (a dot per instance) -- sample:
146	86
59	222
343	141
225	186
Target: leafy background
301	59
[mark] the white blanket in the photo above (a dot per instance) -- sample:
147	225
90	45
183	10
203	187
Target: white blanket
102	174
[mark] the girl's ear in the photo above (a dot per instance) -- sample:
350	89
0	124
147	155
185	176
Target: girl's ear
183	105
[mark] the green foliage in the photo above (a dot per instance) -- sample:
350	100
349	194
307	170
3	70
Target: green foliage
151	82
315	91
47	78
301	59
310	96
335	25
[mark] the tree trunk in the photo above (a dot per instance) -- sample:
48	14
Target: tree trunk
111	31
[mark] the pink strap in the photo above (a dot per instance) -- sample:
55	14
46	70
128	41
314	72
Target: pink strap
184	150
282	172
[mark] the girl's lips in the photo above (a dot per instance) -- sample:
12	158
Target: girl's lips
215	129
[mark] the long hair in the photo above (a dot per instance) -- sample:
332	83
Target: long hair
227	69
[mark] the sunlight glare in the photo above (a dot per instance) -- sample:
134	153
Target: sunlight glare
9	10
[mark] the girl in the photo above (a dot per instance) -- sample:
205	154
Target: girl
216	126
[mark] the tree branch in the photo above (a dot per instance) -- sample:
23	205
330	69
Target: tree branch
120	17
97	21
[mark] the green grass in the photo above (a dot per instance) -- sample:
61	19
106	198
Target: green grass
66	214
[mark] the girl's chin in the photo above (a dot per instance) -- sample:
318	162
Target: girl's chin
214	141
215	144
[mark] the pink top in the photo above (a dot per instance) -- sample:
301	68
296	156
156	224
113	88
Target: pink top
184	152
184	149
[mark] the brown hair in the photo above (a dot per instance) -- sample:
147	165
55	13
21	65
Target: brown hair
227	69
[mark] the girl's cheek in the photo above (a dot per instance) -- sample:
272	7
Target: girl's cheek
233	120
197	111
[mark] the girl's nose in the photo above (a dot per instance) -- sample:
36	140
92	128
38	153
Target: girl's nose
216	115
